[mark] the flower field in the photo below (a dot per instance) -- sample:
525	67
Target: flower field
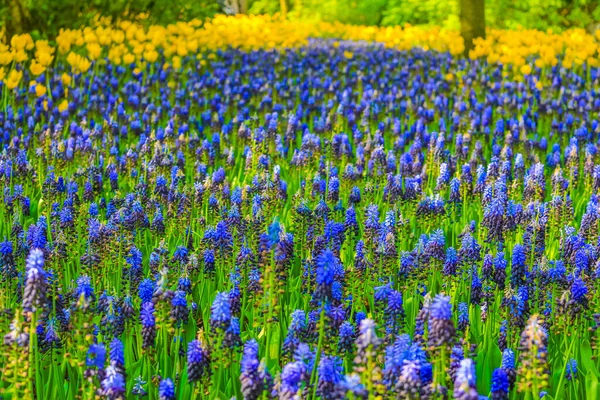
259	208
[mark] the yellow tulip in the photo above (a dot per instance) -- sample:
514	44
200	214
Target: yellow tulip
78	63
63	106
567	63
176	62
526	69
125	25
40	90
138	50
44	58
128	59
66	79
104	39
43	45
72	59
89	37
22	42
140	35
192	46
5	58
84	65
539	63
150	56
64	45
13	79
36	68
79	40
182	50
94	50
118	36
20	56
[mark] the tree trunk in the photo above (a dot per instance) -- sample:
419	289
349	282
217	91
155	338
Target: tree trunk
472	21
17	21
283	6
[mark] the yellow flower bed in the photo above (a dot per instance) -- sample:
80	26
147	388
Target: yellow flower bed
131	42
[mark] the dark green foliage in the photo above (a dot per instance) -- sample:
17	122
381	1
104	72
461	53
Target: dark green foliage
45	18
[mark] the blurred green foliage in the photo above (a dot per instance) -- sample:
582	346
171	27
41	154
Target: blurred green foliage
422	12
46	17
355	12
507	14
543	14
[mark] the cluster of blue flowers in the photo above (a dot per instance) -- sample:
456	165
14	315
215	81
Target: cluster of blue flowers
301	224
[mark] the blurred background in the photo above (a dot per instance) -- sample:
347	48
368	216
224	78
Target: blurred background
45	18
